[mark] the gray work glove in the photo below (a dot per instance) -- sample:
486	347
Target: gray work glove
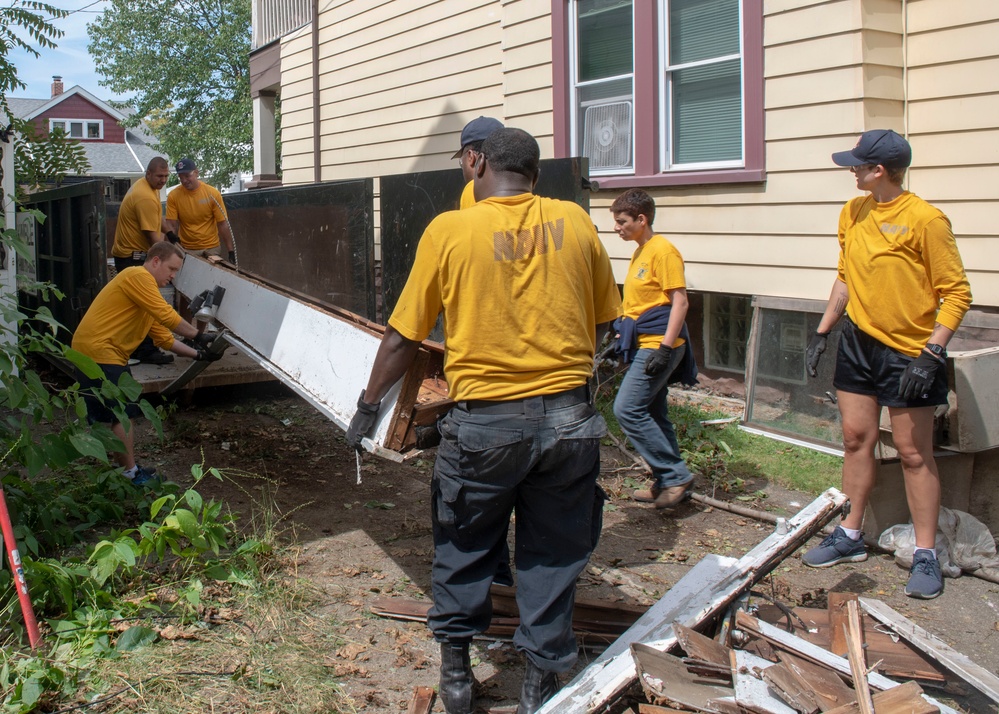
206	356
362	422
232	257
816	346
658	361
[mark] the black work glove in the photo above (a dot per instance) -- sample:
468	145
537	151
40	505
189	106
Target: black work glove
232	257
172	237
362	422
816	346
206	356
204	340
918	376
658	362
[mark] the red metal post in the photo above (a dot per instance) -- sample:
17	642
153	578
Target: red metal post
14	558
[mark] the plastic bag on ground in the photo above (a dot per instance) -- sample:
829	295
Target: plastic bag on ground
963	543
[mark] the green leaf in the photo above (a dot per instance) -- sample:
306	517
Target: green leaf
87	445
85	364
188	523
194	500
135	637
384	505
158	504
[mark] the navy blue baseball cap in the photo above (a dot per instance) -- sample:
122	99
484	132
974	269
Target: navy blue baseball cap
186	166
878	146
477	130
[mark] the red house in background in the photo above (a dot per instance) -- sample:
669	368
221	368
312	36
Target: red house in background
113	151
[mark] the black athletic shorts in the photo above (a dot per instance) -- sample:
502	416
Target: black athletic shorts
91	389
866	366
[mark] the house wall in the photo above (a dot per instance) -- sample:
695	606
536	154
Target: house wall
76	107
399	80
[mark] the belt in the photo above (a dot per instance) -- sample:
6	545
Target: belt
534	405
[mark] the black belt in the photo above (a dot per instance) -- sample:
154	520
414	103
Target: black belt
546	402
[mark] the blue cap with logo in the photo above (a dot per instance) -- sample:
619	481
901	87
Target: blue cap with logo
186	166
878	146
477	130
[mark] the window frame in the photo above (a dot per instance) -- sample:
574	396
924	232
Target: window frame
84	125
649	102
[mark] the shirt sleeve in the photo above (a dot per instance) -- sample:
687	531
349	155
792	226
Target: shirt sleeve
171	206
150	214
669	265
420	302
218	205
945	271
143	292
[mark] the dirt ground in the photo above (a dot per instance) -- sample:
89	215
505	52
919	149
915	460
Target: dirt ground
358	542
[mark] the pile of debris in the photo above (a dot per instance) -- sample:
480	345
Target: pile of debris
837	659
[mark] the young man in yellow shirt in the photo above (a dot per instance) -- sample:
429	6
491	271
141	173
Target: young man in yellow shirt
196	215
127	310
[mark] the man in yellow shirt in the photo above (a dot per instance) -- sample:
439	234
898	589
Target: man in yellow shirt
902	287
527	292
127	310
195	213
140	225
472	136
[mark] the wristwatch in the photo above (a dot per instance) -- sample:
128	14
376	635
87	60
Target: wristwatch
936	350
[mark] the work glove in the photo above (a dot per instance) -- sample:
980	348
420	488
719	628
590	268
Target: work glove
204	340
658	361
816	346
918	376
172	237
362	422
206	356
232	257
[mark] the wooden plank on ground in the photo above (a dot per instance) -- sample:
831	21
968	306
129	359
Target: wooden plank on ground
828	689
837	621
665	679
904	699
699	595
855	652
701	646
787	685
976	675
751	690
787	642
422	700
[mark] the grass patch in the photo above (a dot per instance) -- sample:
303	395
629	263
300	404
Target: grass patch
260	656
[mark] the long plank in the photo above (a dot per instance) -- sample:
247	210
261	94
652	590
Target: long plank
976	675
322	356
904	699
803	648
707	589
854	632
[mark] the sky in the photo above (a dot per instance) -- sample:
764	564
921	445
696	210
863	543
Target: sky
69	59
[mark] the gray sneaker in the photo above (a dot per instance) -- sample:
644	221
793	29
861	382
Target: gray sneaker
925	578
836	548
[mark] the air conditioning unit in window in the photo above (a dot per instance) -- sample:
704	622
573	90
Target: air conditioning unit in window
607	134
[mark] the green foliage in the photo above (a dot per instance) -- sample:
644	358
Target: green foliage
188	65
37	159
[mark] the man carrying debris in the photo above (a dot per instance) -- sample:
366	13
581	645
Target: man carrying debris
195	215
903	288
527	292
127	310
472	136
140	225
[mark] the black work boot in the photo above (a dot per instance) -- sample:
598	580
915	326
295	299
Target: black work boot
456	683
539	686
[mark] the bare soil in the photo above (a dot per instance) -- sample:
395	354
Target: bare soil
356	542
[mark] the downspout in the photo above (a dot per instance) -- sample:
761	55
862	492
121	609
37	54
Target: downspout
905	76
316	153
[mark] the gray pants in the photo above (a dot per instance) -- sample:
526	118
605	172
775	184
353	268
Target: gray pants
541	463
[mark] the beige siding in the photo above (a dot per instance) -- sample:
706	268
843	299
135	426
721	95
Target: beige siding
953	78
399	80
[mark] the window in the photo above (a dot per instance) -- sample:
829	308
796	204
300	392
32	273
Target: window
727	319
660	92
93	129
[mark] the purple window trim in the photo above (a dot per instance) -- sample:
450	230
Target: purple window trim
646	100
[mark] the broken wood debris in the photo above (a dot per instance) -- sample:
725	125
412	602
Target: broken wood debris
422	700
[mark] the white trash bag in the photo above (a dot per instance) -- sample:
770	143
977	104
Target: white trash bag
963	543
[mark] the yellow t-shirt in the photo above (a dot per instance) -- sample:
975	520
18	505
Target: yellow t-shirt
199	211
140	211
902	270
655	268
467	195
123	313
523	281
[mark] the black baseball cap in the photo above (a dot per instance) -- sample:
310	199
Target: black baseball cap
186	166
477	130
878	146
